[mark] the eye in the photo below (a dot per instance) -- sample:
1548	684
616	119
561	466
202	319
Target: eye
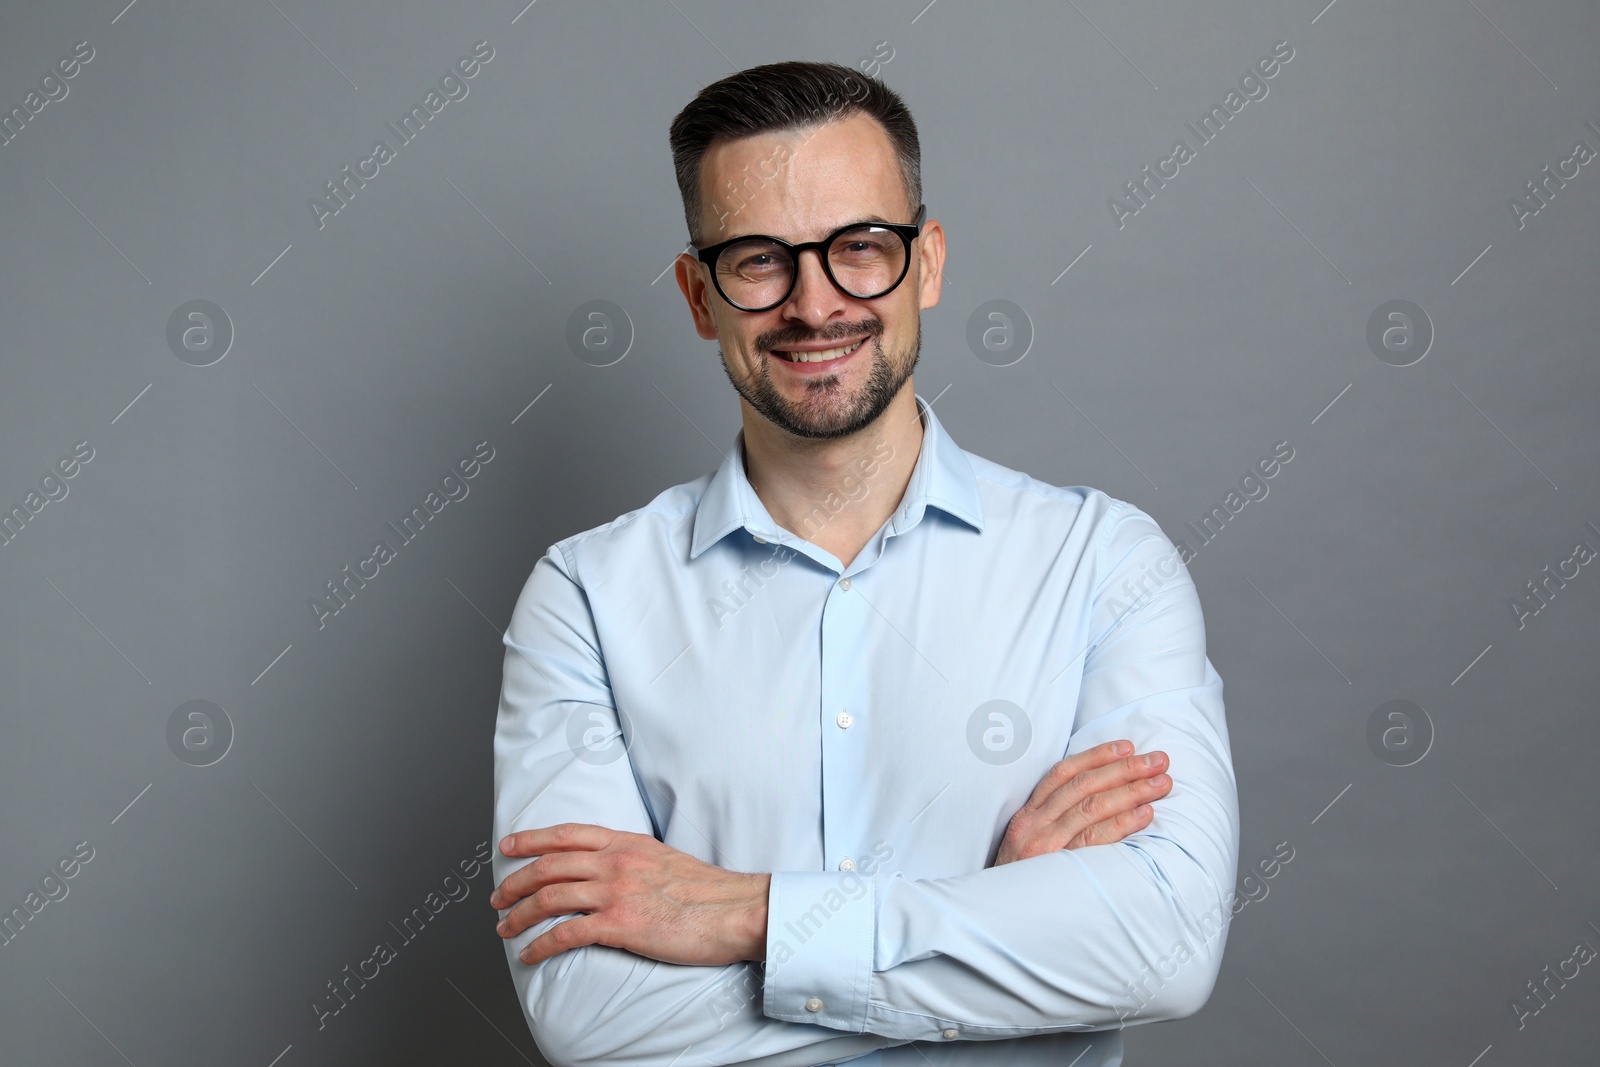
758	261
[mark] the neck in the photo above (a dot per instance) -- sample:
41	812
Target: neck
835	493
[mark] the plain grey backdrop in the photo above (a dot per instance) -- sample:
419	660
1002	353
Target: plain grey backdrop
242	451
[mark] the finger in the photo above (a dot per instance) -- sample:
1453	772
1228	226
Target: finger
585	930
558	838
547	869
1085	789
1111	803
1082	801
1116	828
564	898
1065	770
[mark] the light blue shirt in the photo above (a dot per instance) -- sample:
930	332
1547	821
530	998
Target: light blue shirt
693	671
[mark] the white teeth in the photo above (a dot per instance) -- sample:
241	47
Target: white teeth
821	357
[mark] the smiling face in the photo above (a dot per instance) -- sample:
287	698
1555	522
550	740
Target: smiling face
822	364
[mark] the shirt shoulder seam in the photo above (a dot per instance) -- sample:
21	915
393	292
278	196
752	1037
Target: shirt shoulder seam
568	545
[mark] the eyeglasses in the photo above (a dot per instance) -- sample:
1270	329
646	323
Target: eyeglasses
864	260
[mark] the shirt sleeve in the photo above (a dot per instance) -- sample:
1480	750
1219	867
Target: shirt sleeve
558	757
1088	939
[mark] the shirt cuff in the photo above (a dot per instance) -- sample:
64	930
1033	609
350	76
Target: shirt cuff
819	948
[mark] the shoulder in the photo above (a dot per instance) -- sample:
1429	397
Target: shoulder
1016	495
661	527
1102	525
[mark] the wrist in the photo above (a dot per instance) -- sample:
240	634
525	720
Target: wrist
755	933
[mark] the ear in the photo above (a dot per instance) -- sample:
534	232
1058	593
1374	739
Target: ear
931	262
692	280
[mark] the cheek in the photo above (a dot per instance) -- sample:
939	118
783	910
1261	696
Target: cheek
748	361
901	335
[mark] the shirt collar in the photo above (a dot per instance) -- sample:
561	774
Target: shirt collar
942	478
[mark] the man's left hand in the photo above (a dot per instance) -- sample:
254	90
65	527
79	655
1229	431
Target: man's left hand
634	893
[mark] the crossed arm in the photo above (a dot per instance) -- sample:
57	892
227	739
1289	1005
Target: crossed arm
647	898
638	894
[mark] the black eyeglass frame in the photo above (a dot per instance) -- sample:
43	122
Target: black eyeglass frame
907	233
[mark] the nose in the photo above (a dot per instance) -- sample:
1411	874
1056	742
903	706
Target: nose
815	297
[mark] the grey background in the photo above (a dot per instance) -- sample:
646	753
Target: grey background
1228	315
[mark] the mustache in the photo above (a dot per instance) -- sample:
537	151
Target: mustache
839	332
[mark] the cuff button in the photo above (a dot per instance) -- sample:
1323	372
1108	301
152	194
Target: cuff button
951	1035
814	1004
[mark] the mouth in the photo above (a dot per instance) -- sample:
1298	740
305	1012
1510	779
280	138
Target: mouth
827	355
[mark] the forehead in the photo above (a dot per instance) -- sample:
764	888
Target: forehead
801	184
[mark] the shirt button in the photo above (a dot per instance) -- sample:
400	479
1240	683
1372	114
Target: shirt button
844	583
847	864
814	1004
844	720
951	1035
759	539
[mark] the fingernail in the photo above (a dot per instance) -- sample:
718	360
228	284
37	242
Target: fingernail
505	844
1121	748
1142	810
1152	760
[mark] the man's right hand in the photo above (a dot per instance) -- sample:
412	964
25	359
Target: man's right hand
1096	797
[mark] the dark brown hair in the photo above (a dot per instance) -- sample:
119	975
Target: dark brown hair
779	97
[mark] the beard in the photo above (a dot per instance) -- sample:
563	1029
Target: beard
827	411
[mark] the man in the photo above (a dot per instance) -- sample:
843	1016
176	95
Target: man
833	750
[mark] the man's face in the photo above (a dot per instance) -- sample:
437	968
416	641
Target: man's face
822	178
